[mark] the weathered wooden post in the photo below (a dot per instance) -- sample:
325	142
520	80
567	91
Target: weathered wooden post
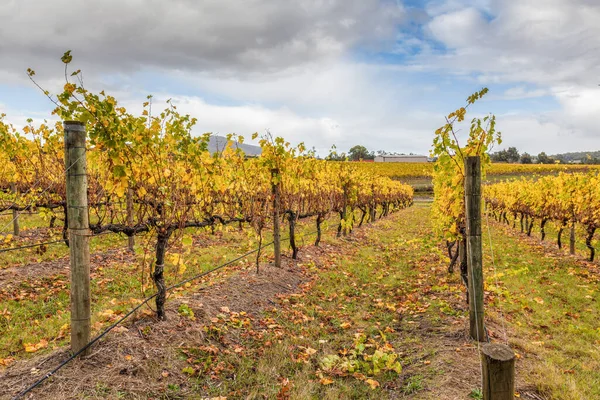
320	219
498	372
474	250
130	239
292	224
15	212
572	238
373	213
342	228
79	232
275	185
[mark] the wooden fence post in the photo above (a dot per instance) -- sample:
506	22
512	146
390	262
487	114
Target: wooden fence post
572	238
498	372
77	211
474	250
130	239
15	212
276	205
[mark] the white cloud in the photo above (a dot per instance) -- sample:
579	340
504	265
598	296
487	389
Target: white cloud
520	92
288	66
551	45
393	133
546	42
544	132
458	29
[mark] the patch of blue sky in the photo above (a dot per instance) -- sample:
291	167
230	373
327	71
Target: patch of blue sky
24	99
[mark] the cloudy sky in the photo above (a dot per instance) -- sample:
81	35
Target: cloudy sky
380	73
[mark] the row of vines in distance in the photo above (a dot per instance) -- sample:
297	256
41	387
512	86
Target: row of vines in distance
397	170
565	199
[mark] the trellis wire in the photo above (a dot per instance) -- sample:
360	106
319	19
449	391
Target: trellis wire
133	310
44	191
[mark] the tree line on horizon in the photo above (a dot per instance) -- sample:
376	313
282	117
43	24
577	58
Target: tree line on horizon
510	155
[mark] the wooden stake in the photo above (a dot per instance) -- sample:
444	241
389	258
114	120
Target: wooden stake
276	229
342	228
498	371
474	250
130	239
78	224
572	239
162	242
292	222
320	219
15	213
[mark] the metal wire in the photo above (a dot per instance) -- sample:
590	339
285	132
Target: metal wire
145	301
114	325
44	191
28	246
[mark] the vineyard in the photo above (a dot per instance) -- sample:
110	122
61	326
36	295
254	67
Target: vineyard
407	171
173	272
566	200
159	193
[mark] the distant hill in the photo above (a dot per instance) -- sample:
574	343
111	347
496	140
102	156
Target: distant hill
218	143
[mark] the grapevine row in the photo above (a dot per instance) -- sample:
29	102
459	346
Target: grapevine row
563	199
426	170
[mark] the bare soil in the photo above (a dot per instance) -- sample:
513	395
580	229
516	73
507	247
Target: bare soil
12	277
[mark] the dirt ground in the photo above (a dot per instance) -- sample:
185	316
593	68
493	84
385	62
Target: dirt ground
144	356
137	356
12	277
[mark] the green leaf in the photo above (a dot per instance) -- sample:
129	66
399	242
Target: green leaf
188	370
67	57
187	241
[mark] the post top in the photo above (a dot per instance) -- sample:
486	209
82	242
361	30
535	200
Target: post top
473	160
74	126
498	351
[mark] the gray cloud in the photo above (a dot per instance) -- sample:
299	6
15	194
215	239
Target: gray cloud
222	36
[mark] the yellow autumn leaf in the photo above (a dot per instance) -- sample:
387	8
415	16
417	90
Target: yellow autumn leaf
372	383
120	190
326	381
182	268
106	314
310	351
175	258
5	362
32	348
